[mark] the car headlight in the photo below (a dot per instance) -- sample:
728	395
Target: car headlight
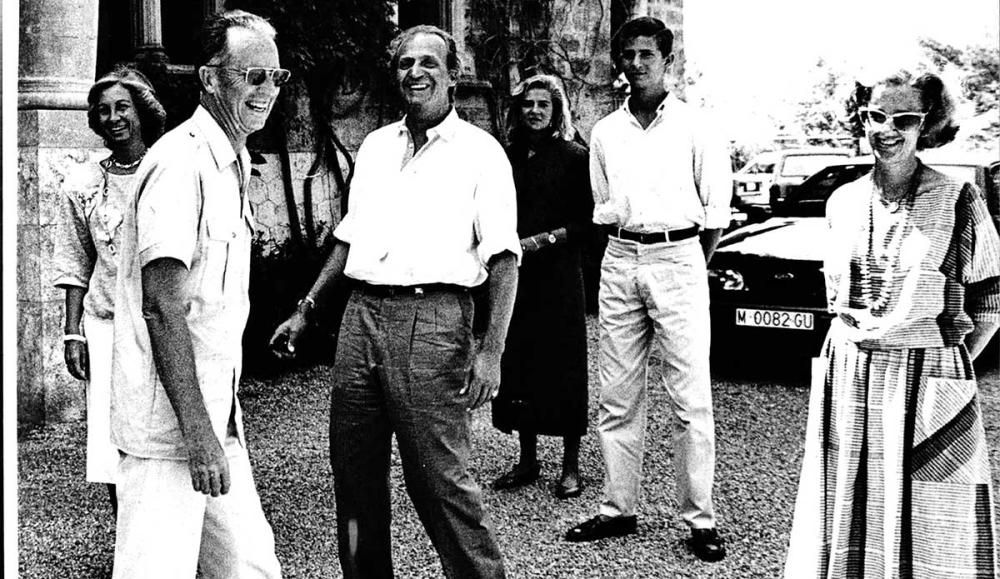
727	279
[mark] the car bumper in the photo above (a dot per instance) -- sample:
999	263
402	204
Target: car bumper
729	335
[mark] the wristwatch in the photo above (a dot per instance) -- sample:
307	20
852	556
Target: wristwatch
305	305
552	238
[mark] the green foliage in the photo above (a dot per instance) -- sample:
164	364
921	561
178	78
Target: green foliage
334	42
513	39
978	71
981	84
821	117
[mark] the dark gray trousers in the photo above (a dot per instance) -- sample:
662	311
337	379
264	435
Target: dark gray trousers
401	362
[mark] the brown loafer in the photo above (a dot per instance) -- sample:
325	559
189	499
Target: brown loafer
602	527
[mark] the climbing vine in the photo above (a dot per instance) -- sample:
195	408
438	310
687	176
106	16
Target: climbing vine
336	49
514	39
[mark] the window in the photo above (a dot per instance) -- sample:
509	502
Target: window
114	34
414	12
182	21
761	168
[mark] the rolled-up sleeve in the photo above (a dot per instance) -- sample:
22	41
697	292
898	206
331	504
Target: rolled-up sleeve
496	206
346	228
168	211
713	177
75	254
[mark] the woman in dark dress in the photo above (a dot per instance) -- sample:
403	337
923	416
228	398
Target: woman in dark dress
543	386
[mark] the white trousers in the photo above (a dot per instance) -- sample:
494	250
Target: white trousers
656	294
102	456
167	530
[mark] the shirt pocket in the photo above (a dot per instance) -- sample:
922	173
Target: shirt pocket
219	236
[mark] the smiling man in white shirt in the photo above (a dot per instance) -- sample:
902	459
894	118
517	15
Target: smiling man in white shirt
662	184
187	500
432	214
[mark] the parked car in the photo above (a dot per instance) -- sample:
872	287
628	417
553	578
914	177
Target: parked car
766	279
808	199
752	184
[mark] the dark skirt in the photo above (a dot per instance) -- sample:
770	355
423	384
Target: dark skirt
544	370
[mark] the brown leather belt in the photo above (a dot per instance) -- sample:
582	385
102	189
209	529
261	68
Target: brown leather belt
657	237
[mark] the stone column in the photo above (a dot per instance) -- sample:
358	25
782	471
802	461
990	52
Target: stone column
147	31
58	53
56	66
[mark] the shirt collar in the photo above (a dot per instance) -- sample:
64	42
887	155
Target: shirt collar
218	142
445	129
668	101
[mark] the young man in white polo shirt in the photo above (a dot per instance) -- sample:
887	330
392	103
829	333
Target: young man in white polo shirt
662	184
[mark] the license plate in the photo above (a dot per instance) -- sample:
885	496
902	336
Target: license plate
774	319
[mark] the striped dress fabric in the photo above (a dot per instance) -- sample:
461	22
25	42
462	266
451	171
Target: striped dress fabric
896	475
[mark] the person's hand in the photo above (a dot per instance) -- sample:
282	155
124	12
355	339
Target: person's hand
484	381
76	357
209	465
286	336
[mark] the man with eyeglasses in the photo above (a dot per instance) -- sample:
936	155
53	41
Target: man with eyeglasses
432	214
662	184
186	495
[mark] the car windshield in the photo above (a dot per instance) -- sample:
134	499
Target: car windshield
759	168
805	165
809	200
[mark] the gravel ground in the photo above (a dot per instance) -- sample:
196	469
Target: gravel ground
66	531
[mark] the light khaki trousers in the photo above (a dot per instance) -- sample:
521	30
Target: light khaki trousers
656	294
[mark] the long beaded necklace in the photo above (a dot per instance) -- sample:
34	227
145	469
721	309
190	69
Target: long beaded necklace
876	293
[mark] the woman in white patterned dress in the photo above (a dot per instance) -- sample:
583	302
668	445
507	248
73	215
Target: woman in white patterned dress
896	475
122	110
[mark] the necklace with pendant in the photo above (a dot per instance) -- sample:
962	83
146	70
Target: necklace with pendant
126	166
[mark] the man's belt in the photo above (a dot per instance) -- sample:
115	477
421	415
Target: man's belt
388	291
657	237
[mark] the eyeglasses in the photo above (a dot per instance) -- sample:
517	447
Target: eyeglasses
257	75
902	121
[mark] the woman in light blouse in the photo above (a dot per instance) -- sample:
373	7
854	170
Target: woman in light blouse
124	111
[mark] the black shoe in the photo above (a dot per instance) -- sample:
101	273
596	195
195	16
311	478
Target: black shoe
518	477
568	488
601	527
707	545
566	492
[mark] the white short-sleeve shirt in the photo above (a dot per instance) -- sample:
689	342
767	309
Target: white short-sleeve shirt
188	206
436	216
